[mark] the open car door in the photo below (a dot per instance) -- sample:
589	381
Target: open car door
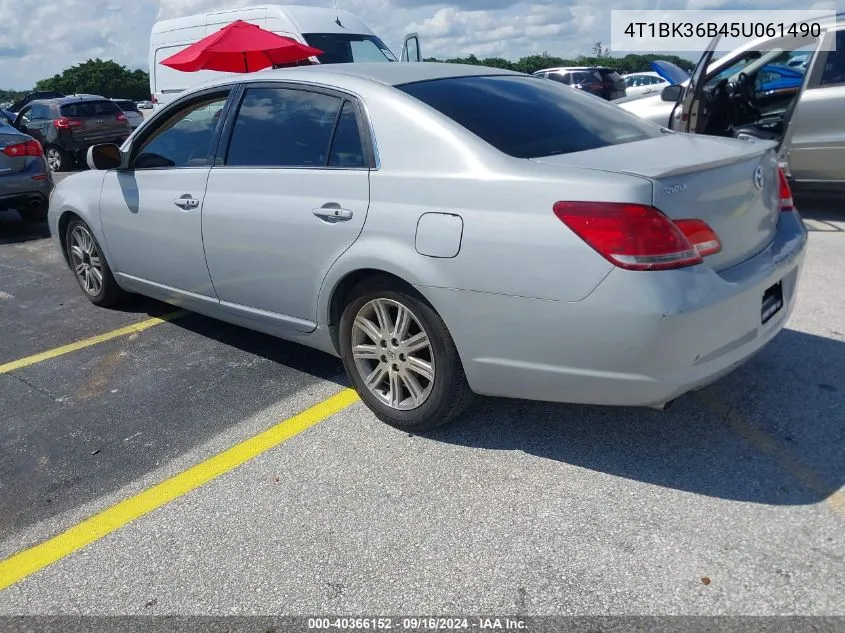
411	48
689	114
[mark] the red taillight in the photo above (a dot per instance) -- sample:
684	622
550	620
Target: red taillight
64	124
27	148
701	236
638	236
786	203
121	117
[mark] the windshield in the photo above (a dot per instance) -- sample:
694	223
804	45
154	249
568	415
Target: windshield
531	119
343	48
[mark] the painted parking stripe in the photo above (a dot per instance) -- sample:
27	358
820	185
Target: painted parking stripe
88	342
27	562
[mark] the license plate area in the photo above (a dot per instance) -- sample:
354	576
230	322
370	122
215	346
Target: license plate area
772	302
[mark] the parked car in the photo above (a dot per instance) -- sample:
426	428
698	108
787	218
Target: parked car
145	105
130	109
446	230
18	105
643	83
731	97
602	82
342	36
25	180
68	126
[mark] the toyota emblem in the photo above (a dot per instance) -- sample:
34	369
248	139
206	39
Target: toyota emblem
759	177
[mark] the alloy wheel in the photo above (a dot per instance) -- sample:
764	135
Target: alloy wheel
86	261
54	158
393	354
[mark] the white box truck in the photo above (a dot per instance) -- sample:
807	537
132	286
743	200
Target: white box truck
339	34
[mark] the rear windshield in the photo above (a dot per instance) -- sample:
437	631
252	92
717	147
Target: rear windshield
89	108
126	105
526	118
344	48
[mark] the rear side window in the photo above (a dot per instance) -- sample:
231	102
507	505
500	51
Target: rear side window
282	127
530	119
39	111
89	108
347	150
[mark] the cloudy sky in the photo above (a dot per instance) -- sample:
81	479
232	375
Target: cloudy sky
42	39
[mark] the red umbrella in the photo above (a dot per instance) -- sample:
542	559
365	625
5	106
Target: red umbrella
240	47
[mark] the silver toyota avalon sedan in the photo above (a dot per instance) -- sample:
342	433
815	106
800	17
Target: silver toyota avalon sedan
447	230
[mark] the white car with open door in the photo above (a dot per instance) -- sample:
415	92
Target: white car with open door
730	97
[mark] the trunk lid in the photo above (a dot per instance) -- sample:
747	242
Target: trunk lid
10	136
695	177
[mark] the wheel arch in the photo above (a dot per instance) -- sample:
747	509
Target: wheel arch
64	219
339	292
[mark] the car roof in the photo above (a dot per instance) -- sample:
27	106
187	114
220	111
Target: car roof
570	68
389	73
67	100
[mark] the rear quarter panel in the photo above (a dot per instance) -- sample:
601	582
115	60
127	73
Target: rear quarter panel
511	243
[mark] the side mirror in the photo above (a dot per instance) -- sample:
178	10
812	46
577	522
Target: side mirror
105	156
672	93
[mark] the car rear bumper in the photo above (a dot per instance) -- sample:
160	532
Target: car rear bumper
639	339
22	189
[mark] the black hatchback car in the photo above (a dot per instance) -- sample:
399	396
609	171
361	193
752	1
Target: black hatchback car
598	80
68	126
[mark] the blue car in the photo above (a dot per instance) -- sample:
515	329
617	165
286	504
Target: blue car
772	79
775	80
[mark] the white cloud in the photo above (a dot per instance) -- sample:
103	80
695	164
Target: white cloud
44	39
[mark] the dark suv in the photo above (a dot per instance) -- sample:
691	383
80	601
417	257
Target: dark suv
598	80
68	126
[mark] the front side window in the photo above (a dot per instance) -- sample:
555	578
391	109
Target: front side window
283	127
344	48
25	116
530	119
833	72
185	138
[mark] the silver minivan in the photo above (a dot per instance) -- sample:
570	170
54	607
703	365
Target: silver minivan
754	92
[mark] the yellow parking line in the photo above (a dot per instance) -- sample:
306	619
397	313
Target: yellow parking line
27	562
763	442
88	342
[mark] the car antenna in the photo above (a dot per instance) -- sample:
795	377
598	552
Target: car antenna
337	15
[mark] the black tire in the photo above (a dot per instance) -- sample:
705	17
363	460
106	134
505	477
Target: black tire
449	395
65	160
109	293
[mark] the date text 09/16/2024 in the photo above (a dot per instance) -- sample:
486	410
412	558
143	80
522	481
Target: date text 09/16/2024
417	624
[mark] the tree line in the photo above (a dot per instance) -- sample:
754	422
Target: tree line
112	80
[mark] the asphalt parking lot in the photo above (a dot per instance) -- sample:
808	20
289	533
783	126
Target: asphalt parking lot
112	500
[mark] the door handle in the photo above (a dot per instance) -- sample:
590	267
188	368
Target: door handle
332	212
187	202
